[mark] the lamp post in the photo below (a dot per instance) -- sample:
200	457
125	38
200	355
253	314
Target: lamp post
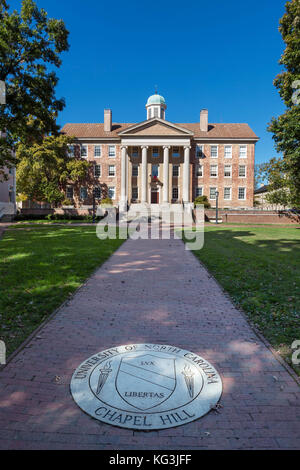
217	200
94	204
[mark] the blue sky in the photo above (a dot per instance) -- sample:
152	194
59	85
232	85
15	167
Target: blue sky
220	55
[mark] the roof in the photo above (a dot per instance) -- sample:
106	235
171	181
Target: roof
218	131
262	189
155	99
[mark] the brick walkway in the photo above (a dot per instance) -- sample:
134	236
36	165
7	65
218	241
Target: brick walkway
149	291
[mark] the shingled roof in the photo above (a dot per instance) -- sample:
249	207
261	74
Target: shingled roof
233	131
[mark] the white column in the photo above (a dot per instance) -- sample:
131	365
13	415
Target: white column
186	174
124	175
166	174
144	174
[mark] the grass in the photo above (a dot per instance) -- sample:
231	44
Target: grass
260	268
40	267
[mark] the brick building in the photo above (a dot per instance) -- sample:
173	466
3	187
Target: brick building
159	162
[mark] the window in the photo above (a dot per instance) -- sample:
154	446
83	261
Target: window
97	171
135	152
199	151
111	170
155	112
199	170
83	151
135	170
175	152
213	171
97	192
214	151
228	151
243	151
227	171
111	192
242	193
242	171
83	192
111	151
154	170
135	193
97	151
212	193
175	170
71	150
155	152
175	193
227	193
199	191
69	192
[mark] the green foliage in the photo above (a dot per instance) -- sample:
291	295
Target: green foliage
30	48
44	169
106	201
202	200
286	128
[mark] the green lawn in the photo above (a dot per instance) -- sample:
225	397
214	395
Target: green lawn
40	267
260	268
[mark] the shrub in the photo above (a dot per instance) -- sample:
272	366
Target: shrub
202	200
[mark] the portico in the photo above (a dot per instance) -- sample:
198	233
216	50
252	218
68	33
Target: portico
154	157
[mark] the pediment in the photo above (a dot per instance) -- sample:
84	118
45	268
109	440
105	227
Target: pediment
156	127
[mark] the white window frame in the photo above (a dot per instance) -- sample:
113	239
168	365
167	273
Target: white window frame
83	198
175	198
137	189
137	171
97	176
67	188
217	147
245	175
198	187
110	147
114	167
87	151
210	175
175	176
114	191
230	193
199	166
226	176
227	146
212	198
246	153
71	154
100	146
242	198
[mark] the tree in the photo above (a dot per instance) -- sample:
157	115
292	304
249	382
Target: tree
284	172
45	168
202	200
30	44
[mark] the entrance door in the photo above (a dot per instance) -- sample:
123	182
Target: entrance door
154	196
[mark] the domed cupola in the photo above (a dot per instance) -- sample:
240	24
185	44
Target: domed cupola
156	106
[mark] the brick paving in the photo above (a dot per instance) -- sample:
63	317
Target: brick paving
157	292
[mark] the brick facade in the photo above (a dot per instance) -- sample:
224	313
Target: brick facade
236	188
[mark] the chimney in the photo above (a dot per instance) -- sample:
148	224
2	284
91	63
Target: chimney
107	120
204	120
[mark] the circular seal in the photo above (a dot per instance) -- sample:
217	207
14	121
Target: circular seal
146	386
